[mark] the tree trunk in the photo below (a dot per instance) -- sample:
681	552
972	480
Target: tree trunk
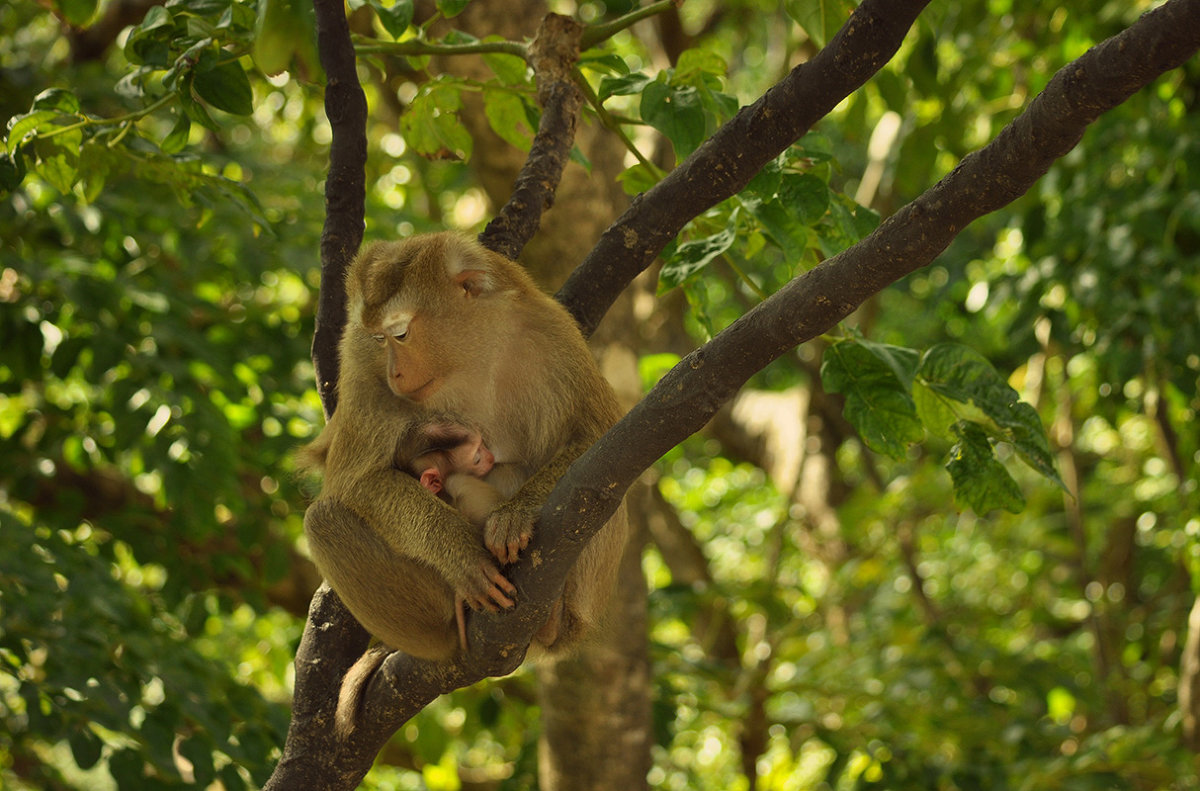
1189	681
596	705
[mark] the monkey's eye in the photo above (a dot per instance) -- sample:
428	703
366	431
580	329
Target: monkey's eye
401	335
378	338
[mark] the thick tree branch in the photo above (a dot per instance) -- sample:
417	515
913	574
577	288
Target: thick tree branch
552	54
690	394
345	188
727	161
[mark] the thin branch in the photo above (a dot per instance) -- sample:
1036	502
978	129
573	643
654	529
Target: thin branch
552	54
726	162
416	47
594	34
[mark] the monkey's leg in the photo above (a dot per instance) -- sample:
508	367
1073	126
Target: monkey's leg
404	603
548	634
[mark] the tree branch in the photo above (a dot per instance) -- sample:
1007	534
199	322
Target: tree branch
345	189
727	161
809	305
552	54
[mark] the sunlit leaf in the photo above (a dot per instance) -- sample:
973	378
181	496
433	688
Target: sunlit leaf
21	127
505	112
877	402
690	258
980	481
675	111
509	69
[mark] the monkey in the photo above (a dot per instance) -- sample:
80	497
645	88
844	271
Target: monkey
451	460
437	324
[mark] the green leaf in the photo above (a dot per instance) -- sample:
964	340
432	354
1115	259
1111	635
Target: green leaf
819	18
877	402
397	18
77	12
21	127
58	159
177	138
677	112
506	115
691	257
85	747
700	61
902	361
431	124
625	85
59	99
451	8
962	374
226	87
980	481
509	69
150	42
638	178
806	195
783	228
933	411
12	170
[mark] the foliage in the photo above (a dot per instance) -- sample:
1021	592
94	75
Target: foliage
158	238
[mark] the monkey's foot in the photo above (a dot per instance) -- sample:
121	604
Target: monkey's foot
549	631
485	589
507	532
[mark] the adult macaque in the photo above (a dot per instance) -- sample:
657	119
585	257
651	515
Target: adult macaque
439	325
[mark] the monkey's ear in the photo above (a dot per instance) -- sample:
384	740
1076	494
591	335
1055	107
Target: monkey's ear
432	480
473	281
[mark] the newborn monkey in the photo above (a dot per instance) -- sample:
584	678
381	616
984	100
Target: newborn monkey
452	461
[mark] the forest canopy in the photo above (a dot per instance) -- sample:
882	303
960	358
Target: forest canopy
950	540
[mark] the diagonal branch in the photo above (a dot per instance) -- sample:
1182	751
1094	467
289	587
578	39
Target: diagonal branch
688	396
727	161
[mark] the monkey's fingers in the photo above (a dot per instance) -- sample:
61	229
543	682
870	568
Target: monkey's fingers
506	534
490	591
500	587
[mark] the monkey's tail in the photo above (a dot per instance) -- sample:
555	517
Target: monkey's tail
353	686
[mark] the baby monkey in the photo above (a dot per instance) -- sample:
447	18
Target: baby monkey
450	459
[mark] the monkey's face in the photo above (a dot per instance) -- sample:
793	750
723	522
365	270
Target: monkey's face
425	302
472	457
410	370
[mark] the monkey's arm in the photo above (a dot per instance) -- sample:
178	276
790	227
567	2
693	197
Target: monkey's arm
474	497
510	526
417	525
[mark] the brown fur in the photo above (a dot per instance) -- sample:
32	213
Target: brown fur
483	343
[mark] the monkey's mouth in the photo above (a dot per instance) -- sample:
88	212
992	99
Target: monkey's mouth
424	391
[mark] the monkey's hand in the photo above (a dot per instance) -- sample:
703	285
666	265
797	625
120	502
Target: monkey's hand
484	587
508	530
